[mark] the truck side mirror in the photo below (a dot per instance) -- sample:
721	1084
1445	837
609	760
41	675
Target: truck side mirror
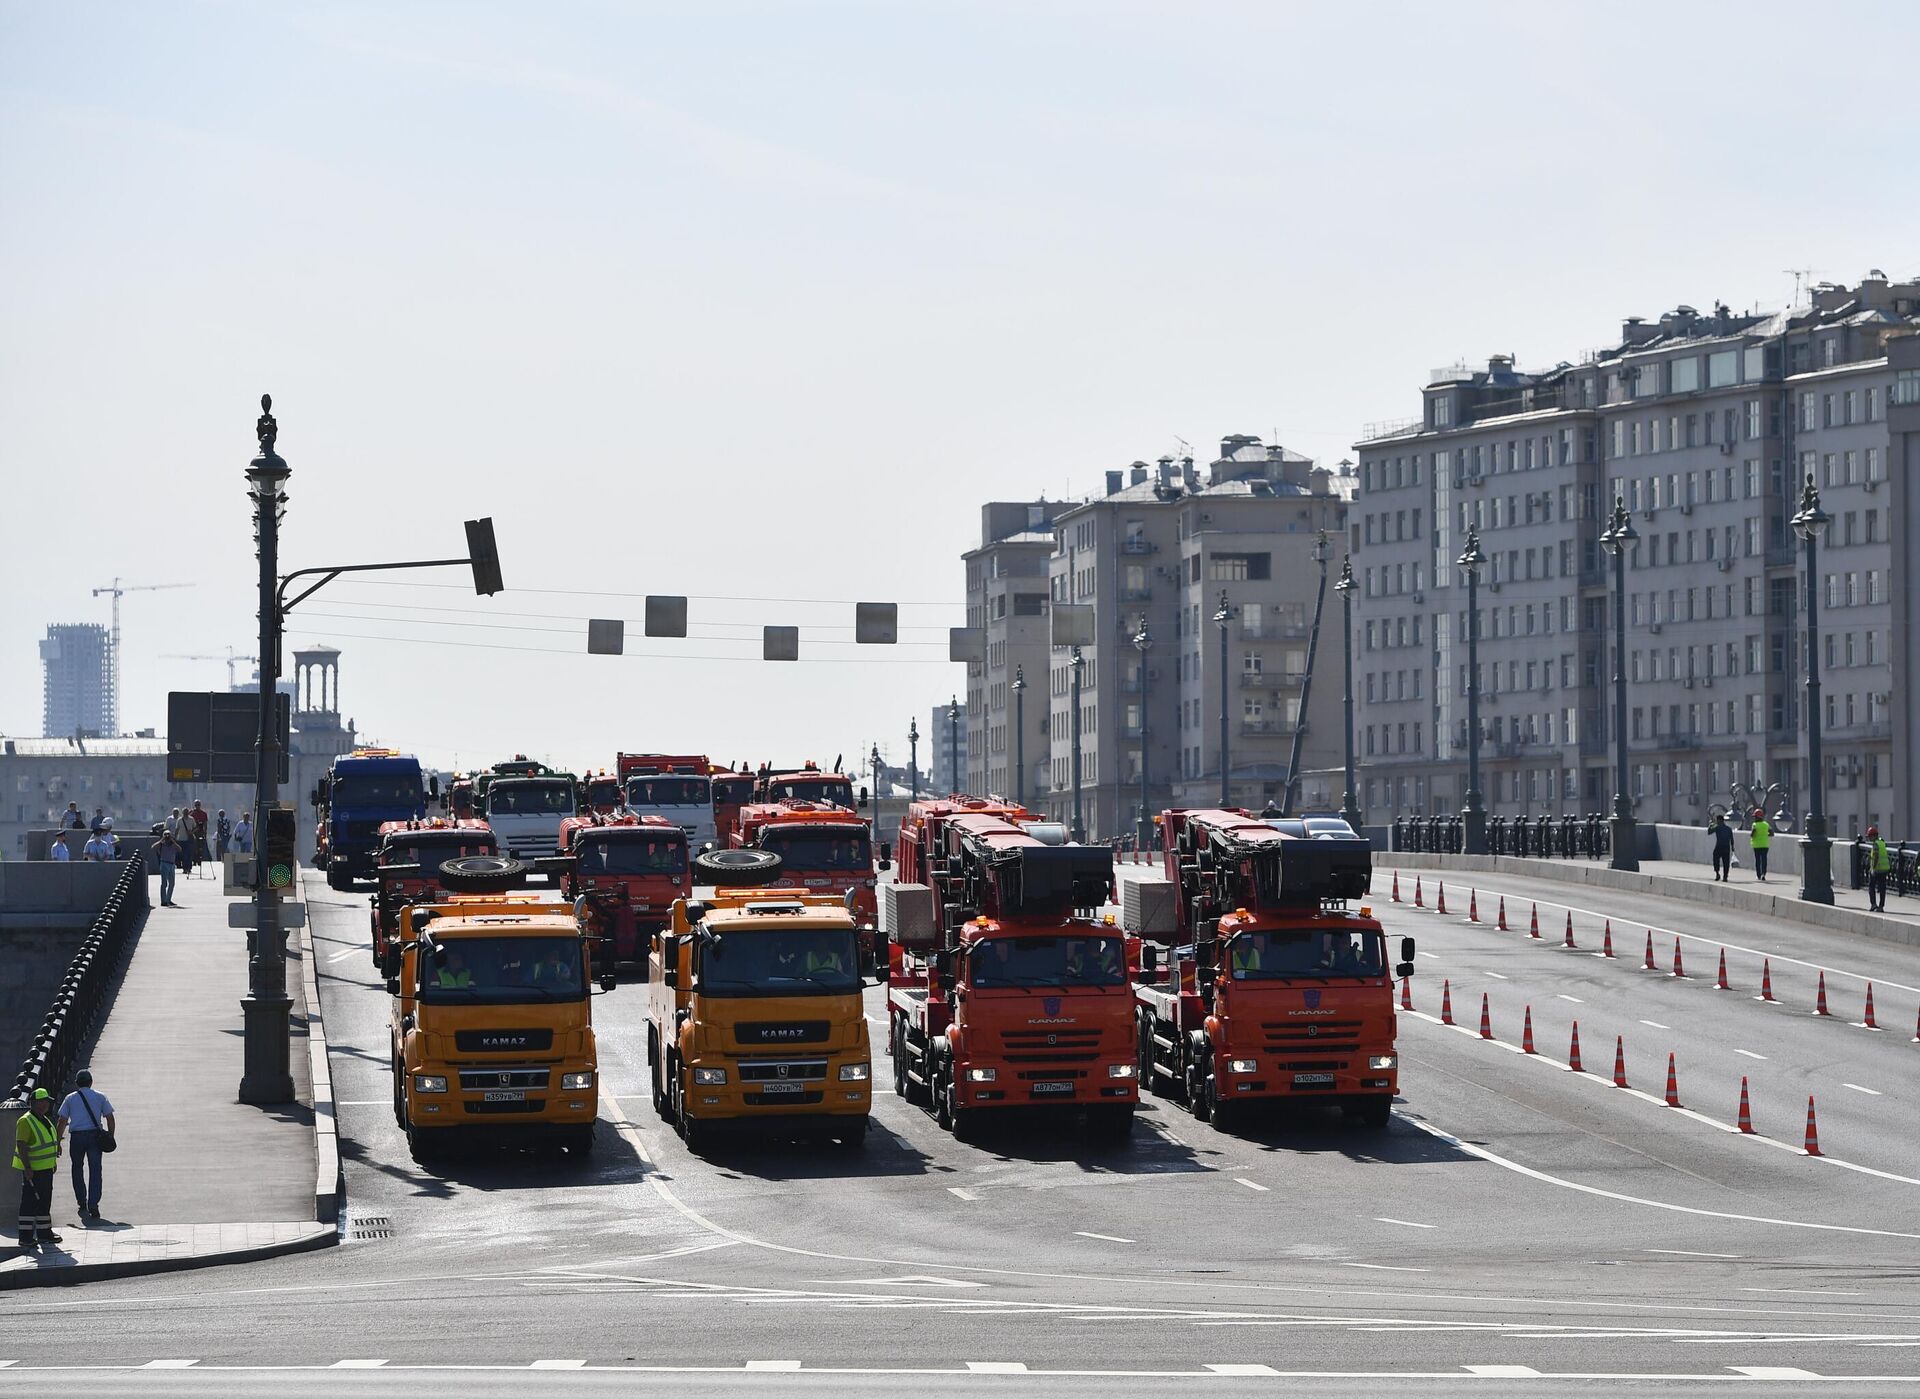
670	963
433	785
943	968
609	981
1405	969
863	796
1406	949
393	986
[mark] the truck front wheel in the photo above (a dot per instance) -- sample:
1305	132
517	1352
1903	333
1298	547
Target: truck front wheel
1374	1113
1110	1126
338	878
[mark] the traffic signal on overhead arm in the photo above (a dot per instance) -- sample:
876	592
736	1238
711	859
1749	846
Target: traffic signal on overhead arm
278	852
484	555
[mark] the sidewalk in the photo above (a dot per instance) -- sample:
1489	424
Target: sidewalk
199	1177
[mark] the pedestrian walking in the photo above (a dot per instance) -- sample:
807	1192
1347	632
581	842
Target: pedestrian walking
222	833
99	818
243	834
99	846
201	854
71	819
59	850
1722	849
36	1154
182	827
87	1118
166	854
1762	838
1879	866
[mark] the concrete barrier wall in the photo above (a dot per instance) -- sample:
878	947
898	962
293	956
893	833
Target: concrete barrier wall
56	893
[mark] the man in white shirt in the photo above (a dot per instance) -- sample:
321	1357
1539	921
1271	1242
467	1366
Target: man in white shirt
87	1117
100	846
59	850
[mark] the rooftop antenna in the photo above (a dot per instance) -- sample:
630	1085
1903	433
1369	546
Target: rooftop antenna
1800	276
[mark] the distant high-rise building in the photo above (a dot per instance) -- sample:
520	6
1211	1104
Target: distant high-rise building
78	694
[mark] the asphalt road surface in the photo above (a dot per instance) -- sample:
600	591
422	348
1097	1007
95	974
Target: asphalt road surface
1519	1228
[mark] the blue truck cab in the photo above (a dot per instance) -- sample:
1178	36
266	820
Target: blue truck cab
361	791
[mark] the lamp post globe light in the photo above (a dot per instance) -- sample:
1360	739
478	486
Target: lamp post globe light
1618	540
1078	666
953	744
1349	802
1019	688
873	762
1143	642
1221	618
1473	816
1816	851
913	757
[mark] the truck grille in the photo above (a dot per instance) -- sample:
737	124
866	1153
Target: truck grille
781	1032
1050	1046
479	1080
505	1109
1314	1036
790	1070
502	1041
755	1100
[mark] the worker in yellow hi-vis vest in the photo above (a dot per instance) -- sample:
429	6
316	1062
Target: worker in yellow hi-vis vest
36	1152
1762	837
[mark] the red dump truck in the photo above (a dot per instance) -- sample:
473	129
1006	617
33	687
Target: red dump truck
627	870
823	849
406	868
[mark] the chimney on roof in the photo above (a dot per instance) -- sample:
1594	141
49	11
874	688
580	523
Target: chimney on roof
1114	479
1635	331
1165	467
1190	473
1138	474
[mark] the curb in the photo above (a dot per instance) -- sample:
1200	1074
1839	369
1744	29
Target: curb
315	1236
1839	920
329	1187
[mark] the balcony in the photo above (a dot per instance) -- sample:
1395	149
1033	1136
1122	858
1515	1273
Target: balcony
1272	726
1273	631
1858	733
1138	546
1136	594
1270	680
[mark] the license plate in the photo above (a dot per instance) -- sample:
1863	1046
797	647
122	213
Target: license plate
1040	1088
504	1095
770	1088
1305	1080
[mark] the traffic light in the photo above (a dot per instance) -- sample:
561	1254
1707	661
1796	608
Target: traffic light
484	555
278	853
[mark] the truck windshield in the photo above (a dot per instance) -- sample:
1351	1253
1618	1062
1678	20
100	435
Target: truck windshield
819	849
502	971
1055	961
430	854
530	799
733	791
837	790
667	791
1280	955
613	855
790	962
605	793
377	789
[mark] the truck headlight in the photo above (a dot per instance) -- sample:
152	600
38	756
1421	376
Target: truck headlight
855	1073
429	1083
1243	1066
568	1081
710	1076
1383	1061
1125	1070
982	1075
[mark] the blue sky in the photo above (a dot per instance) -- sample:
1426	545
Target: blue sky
760	301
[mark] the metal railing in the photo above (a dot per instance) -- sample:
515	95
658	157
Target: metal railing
1903	874
76	1003
1536	837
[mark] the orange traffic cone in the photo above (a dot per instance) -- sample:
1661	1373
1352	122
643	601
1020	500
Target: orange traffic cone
1486	1022
1720	983
1526	1033
1766	978
1406	993
1502	924
1440	904
1648	965
1473	906
1606	945
1916	1029
1673	1083
1820	998
1679	969
1418	902
1868	1022
1446	1002
1396	886
1620	1062
1533	924
1746	1108
1813	1130
1569	942
1573	1050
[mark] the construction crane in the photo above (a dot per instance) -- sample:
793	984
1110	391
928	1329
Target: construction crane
115	589
232	658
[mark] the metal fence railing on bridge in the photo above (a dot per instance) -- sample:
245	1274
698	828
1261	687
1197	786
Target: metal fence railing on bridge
1537	837
1903	867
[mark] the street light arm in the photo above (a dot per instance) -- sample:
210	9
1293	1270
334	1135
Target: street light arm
333	571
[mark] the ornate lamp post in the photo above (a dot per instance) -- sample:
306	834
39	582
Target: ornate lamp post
1816	855
1221	618
1618	541
1349	803
1474	815
1079	828
1019	688
913	757
1142	642
953	744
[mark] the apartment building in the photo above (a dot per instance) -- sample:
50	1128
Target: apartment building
1007	604
1707	426
1152	558
77	690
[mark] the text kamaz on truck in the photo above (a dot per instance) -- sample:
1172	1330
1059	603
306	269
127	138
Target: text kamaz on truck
363	791
1276	990
1000	995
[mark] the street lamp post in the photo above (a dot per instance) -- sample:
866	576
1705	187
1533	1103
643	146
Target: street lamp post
1143	642
1320	553
1349	803
266	1076
953	744
913	757
1474	815
873	762
1221	618
1816	854
1079	830
1019	688
1618	541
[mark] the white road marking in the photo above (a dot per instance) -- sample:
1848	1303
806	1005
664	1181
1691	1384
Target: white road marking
342	956
963	1193
1383	1267
1804	1291
1497	977
925	1279
1689	1253
1243	1369
364	1103
997	1367
873	1020
1750	1054
168	1365
773	1365
357	1364
1502	1372
1434	955
1575	999
1656	1024
1251	1185
1773	1372
1110	1238
1872	1092
1411	1224
563	1365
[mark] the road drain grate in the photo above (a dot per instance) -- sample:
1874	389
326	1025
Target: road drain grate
369	1226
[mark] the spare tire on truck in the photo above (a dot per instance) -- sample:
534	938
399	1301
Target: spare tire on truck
483	874
736	868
